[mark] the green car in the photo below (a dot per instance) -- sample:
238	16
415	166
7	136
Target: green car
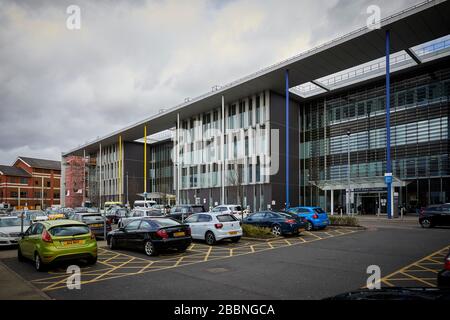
51	241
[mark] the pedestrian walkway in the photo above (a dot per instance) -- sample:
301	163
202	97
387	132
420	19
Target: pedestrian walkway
13	287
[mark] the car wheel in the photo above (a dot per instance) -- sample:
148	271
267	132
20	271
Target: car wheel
112	243
210	238
236	239
309	226
38	264
19	255
149	249
276	230
426	223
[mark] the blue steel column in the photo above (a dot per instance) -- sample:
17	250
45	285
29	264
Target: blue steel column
287	138
388	127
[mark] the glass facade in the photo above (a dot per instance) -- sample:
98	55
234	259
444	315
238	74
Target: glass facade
245	145
419	137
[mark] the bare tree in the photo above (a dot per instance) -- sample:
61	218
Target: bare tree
235	179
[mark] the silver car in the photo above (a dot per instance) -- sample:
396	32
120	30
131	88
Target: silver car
10	228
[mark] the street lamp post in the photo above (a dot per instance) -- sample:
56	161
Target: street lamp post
348	173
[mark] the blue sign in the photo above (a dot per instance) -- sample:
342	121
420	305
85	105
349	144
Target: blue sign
388	179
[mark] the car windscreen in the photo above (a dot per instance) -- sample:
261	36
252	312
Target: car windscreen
165	222
91	217
226	218
10	222
319	210
69	230
238	208
198	209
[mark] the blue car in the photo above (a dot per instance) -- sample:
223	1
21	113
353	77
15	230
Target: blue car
279	222
316	217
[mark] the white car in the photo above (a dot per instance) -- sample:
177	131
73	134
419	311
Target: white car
10	228
213	227
233	209
139	213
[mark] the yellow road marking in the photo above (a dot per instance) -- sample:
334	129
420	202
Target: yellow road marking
162	264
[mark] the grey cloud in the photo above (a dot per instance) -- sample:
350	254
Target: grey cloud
61	88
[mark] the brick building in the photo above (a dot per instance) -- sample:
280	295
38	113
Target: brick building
30	182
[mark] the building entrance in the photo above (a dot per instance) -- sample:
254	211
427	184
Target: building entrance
371	203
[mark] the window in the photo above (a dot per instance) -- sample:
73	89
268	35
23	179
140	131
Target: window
193	218
39	229
226	218
24	180
23	194
14	194
250	112
134	225
204	218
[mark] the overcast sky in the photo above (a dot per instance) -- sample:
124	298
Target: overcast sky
60	88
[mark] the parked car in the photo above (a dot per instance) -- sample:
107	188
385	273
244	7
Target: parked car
316	217
233	209
213	227
151	235
114	214
10	228
31	215
183	211
52	241
143	204
140	213
280	223
435	215
95	222
443	279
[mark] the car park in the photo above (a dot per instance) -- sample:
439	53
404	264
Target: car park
316	217
139	213
435	215
233	209
280	223
212	227
95	222
53	241
443	278
151	234
181	212
10	229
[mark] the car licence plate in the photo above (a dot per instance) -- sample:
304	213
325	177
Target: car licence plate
96	225
232	232
179	234
70	242
301	229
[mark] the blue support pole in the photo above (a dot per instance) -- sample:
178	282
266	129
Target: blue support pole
287	138
388	175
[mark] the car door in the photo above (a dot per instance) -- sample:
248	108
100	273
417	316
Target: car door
131	234
203	225
26	243
255	219
35	238
192	221
446	215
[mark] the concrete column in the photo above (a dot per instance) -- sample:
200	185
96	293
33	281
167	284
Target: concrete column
332	202
222	198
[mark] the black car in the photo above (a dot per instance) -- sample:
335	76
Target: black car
183	211
280	223
435	215
395	293
151	235
443	279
